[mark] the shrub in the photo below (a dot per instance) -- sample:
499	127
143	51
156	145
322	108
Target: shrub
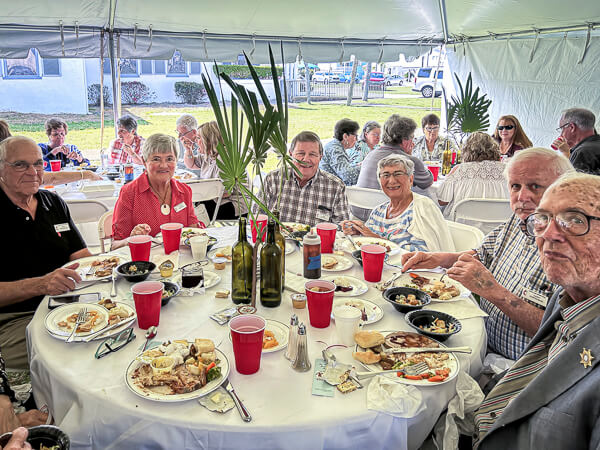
189	91
135	92
234	71
93	93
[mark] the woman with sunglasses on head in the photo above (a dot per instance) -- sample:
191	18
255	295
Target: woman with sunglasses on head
510	135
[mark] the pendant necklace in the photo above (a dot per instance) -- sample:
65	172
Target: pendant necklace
165	209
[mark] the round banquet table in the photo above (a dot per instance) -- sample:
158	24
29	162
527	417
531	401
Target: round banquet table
90	401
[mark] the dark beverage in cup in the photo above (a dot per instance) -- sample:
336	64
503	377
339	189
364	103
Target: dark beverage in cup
191	280
192	276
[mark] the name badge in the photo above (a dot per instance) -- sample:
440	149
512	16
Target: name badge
323	213
535	297
60	227
180	207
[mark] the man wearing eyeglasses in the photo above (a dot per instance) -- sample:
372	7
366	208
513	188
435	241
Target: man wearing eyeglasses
39	238
550	397
578	139
187	130
505	271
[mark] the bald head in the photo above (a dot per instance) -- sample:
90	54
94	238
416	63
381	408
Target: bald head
15	144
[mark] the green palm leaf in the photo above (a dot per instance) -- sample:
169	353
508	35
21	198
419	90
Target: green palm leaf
468	112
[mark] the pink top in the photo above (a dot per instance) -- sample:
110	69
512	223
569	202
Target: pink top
138	204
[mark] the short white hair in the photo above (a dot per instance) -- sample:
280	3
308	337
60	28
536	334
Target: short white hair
188	121
159	143
590	182
13	140
552	159
396	160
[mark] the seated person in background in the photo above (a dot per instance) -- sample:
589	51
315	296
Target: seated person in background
481	175
208	138
505	271
335	159
39	238
510	136
56	149
397	139
128	147
431	146
314	196
155	197
578	139
187	130
549	399
9	420
412	221
4	130
367	141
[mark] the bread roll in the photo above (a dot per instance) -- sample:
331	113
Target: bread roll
204	345
367	357
368	339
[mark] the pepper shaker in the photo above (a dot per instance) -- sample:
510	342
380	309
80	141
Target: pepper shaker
302	362
290	351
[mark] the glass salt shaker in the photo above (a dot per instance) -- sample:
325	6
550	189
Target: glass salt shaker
290	351
302	361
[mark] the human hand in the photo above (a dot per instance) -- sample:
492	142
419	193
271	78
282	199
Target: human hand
60	280
92	176
350	226
32	418
472	274
18	440
141	228
8	420
561	145
74	155
421	260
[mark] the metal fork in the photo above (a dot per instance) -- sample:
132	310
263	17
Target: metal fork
91	271
415	369
81	318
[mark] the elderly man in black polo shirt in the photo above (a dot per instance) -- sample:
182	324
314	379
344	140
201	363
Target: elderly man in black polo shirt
38	236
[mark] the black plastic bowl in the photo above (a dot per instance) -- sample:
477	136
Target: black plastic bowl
357	255
170	285
425	317
112	175
47	435
146	266
390	294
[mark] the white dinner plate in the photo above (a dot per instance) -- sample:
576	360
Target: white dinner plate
295	226
206	389
211	279
359	286
212	254
343	262
62	312
373	311
452	363
346	245
406	280
289	247
86	263
281	332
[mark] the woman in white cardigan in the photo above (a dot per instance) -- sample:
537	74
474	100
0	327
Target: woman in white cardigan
412	221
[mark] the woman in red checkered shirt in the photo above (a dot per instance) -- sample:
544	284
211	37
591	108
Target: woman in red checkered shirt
128	147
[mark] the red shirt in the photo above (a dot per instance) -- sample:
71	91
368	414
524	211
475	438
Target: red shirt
119	156
138	204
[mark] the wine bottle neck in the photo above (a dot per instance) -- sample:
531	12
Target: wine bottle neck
271	232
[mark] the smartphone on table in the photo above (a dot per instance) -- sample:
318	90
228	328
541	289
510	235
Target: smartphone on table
58	300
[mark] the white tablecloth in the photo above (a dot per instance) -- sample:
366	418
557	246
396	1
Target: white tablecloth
89	399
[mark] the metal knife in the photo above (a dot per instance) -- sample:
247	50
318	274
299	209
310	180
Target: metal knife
246	417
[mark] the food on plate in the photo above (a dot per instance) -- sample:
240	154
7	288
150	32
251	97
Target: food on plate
346	386
135	270
92	318
408	339
166	268
224	293
107	303
104	267
438	326
224	252
168	292
381	243
368	339
269	340
291	227
329	262
177	367
368	357
186	234
342	284
435	288
53	447
358	305
219	263
409	299
116	312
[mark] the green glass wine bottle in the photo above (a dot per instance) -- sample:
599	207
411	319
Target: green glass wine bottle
241	267
280	240
270	270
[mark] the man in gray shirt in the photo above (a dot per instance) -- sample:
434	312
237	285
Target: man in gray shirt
397	138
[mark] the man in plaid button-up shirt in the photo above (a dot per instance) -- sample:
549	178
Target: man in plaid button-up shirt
505	271
315	197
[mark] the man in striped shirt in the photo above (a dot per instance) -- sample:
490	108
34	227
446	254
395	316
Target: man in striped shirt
505	270
550	398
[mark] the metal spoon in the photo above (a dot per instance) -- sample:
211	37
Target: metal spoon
150	334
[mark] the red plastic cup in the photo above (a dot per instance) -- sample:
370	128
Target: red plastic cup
261	219
171	233
247	338
319	303
139	246
554	147
372	258
435	171
147	297
55	166
326	232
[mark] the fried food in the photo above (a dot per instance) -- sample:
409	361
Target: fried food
368	339
329	262
367	357
345	387
269	340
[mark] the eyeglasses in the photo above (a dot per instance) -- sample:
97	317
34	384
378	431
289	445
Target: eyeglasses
430	129
63	134
387	175
559	129
505	127
115	343
179	135
22	166
573	223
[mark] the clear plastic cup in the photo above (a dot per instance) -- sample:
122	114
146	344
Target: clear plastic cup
139	247
326	232
147	298
171	233
247	332
372	257
320	302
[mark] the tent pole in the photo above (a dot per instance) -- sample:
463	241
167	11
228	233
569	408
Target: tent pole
102	99
111	53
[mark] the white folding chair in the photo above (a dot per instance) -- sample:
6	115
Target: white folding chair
207	189
365	198
105	228
483	213
465	237
86	214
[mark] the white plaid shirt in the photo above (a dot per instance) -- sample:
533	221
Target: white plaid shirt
322	199
512	257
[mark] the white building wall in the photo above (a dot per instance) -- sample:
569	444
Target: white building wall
66	93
